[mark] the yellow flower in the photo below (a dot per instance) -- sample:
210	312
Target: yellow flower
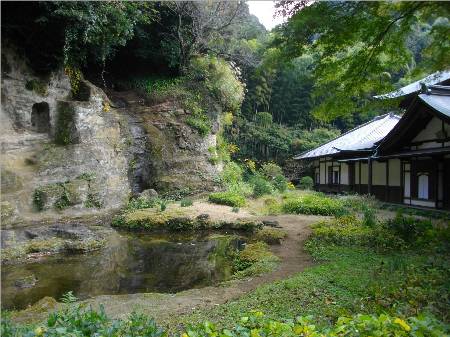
255	333
403	324
184	335
106	106
39	331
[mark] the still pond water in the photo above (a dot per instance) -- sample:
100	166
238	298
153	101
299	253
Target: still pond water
130	263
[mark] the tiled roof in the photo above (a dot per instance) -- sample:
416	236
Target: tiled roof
437	97
434	78
360	138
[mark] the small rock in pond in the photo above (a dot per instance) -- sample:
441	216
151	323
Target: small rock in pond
26	282
271	223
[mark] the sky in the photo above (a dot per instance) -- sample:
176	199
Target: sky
265	10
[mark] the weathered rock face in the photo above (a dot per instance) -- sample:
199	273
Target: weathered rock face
58	153
168	155
66	155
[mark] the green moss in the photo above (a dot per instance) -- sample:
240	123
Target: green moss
39	199
65	132
270	235
6	210
178	219
93	201
255	259
37	86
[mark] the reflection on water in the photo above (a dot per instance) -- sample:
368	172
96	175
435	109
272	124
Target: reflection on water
130	263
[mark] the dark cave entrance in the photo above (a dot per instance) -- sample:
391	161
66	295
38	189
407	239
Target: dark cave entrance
40	117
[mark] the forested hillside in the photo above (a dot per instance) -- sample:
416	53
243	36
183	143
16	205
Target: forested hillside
288	73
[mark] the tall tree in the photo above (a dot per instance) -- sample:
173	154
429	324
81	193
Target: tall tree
364	47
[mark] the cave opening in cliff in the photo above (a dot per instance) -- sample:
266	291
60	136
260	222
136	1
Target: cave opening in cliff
40	117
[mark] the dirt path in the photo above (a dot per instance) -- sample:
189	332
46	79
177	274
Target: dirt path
164	306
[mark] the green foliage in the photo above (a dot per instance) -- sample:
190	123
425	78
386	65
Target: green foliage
227	198
255	323
141	203
270	170
270	235
368	53
97	28
37	86
38	199
306	183
76	320
369	219
313	203
186	202
232	173
280	183
410	229
254	259
261	186
65	124
307	140
68	298
220	79
201	123
92	201
350	231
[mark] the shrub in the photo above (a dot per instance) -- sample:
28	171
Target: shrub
280	183
316	204
261	187
271	170
201	123
350	231
141	203
306	183
369	217
411	229
232	173
186	202
227	198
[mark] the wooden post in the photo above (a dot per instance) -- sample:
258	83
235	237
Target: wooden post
387	181
369	178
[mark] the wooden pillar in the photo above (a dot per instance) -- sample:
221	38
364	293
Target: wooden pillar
359	177
369	178
387	181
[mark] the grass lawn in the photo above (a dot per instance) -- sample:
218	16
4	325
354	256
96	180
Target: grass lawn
349	280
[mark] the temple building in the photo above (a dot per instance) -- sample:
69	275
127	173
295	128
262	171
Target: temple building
403	160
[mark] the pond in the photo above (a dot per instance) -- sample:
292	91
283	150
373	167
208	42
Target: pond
130	263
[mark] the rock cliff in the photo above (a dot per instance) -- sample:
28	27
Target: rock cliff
66	155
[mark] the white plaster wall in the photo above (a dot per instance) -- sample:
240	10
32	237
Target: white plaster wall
322	173
394	172
364	173
433	126
429	145
378	173
344	174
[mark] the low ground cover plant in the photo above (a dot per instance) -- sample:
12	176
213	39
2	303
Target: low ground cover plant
256	258
229	198
313	203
